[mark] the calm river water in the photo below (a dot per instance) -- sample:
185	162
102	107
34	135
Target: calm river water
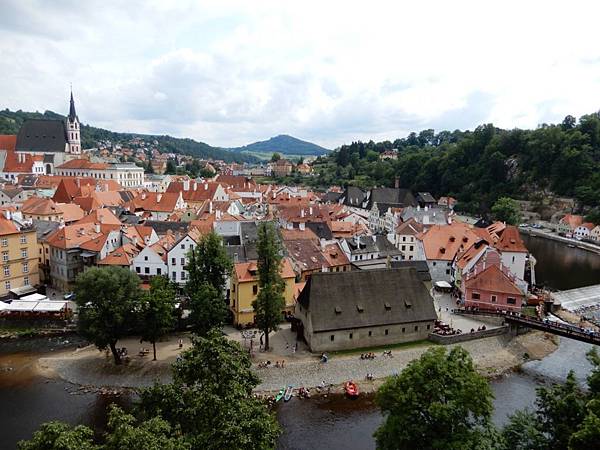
335	423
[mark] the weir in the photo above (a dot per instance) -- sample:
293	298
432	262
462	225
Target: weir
576	299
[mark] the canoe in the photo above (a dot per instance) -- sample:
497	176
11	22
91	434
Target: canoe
288	393
279	395
351	389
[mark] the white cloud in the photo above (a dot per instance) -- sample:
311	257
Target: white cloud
231	72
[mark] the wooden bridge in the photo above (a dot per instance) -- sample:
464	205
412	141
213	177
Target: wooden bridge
558	328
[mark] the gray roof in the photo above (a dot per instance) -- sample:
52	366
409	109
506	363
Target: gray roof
12	192
334	300
391	197
354	196
321	229
28	180
162	226
420	266
431	216
425	197
44	228
332	197
385	247
366	245
248	232
38	135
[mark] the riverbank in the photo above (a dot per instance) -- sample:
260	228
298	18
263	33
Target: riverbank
88	367
554	237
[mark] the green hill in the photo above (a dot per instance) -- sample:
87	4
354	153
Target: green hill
283	144
11	121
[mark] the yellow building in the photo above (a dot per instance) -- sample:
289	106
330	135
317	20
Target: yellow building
19	252
244	288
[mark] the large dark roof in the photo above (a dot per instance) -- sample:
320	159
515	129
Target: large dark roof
321	229
44	228
386	297
420	266
248	232
391	197
37	135
332	197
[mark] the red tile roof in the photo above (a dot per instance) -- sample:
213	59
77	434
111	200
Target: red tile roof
511	241
492	279
8	142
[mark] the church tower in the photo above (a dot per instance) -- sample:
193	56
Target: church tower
73	131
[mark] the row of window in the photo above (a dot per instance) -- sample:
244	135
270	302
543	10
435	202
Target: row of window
4	241
386	332
23	254
138	269
24	268
494	299
8	287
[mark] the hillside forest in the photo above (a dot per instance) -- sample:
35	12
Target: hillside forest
478	167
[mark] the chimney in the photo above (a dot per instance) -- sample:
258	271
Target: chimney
158	197
301	212
135	240
425	208
206	186
235	258
195	186
302	226
310	210
397	182
78	180
186	185
210	207
143	196
97	227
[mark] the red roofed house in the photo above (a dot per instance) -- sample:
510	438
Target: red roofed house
493	287
513	250
569	223
584	230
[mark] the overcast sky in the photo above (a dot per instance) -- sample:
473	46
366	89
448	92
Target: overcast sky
229	73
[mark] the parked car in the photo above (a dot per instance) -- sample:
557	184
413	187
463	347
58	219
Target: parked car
69	296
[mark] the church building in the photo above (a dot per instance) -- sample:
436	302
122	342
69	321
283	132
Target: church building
54	142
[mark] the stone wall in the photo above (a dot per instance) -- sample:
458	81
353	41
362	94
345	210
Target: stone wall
456	338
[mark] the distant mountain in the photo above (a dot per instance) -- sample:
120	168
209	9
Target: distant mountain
11	121
284	144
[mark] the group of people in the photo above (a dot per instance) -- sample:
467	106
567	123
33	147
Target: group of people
369	355
265	364
481	328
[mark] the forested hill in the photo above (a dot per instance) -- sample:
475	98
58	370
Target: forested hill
284	144
479	166
10	123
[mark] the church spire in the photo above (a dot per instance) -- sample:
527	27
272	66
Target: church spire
72	113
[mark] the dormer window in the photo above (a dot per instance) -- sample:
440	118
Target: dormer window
338	310
388	307
360	308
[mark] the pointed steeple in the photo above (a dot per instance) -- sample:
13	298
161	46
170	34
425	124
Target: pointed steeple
72	113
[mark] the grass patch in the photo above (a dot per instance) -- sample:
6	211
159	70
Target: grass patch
381	348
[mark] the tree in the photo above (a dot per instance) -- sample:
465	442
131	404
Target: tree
507	210
438	401
107	299
60	436
153	434
270	301
523	432
124	432
211	399
276	157
588	434
208	267
171	168
157	311
149	168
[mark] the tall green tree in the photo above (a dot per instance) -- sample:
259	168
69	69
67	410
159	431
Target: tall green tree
60	436
275	157
270	301
108	299
157	311
507	210
438	401
208	267
211	398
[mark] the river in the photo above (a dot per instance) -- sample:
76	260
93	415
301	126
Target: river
27	400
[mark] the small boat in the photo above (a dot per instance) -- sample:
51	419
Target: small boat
288	393
351	389
570	245
280	395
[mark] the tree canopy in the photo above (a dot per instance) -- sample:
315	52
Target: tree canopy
438	401
507	210
108	299
157	311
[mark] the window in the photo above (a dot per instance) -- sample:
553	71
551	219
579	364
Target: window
433	264
254	289
7	271
411	248
183	261
23	253
174	276
158	271
146	270
332	337
416	327
182	246
25	281
403	247
370	333
475	296
7	285
173	261
145	258
511	300
403	238
5	256
387	332
137	269
24	240
493	299
429	327
25	267
403	330
4	242
183	275
447	271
